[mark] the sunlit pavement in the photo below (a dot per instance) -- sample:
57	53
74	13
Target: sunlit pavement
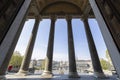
56	77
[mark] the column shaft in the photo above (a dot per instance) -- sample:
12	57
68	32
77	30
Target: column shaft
27	58
108	38
93	52
49	55
71	51
9	42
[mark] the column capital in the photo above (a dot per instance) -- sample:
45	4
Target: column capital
84	19
68	17
38	18
53	17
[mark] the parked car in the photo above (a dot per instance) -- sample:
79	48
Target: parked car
13	68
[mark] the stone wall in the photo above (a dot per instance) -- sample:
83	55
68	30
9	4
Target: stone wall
110	10
8	11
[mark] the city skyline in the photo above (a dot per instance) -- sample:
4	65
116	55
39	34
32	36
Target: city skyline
60	41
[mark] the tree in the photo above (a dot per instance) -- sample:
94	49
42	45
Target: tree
43	64
109	60
108	57
16	59
105	64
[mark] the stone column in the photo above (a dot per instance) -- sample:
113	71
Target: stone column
71	51
111	46
98	72
27	58
49	56
9	42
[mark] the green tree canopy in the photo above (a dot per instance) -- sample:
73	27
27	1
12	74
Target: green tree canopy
108	57
105	64
16	59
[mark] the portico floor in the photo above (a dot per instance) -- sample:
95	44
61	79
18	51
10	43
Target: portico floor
58	77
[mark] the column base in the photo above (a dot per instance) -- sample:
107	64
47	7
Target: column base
73	75
47	74
118	78
22	73
99	75
2	77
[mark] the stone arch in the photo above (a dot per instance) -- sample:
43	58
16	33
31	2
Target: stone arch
57	8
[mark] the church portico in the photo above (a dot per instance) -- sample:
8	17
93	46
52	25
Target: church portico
11	27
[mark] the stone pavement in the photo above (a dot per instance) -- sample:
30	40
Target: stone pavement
57	77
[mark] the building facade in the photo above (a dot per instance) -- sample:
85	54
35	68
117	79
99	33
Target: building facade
83	66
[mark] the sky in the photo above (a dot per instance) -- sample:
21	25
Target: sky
61	39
